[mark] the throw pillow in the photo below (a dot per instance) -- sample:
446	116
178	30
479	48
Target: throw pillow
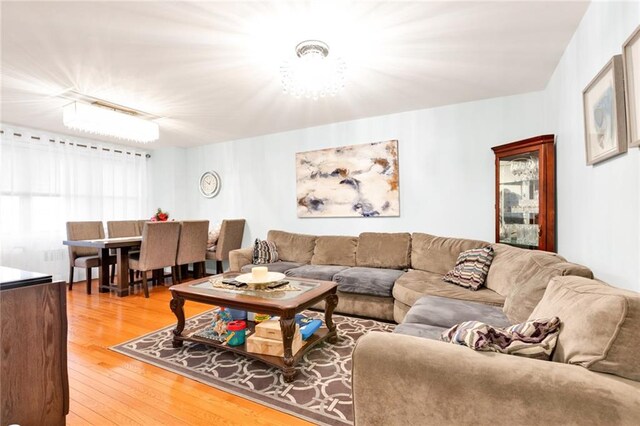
471	268
600	325
532	339
212	239
264	252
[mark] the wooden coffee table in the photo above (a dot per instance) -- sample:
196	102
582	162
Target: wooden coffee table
284	304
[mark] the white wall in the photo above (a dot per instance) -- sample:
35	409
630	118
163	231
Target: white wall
446	170
598	206
446	165
167	177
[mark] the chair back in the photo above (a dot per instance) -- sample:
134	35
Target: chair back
123	228
90	230
141	225
231	234
159	245
192	246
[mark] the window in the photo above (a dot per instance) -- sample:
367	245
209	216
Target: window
47	180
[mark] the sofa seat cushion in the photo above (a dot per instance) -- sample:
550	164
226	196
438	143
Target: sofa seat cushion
384	250
446	312
280	266
362	305
293	247
316	272
414	284
335	250
370	281
420	330
439	254
600	325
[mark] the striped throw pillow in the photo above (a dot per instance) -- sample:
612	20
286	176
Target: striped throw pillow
532	339
264	252
471	268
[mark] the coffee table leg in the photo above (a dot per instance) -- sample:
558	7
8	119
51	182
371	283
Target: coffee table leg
288	328
330	304
177	307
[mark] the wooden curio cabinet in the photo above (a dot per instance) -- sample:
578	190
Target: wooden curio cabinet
526	192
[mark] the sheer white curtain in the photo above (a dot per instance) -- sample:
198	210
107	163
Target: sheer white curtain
47	180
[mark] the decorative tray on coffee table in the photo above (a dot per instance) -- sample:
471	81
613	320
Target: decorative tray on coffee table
271	277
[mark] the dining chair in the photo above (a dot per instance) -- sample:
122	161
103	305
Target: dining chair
141	225
192	246
157	251
122	228
85	257
231	233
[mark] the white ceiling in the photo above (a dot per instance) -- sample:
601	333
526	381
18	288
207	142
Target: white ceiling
211	70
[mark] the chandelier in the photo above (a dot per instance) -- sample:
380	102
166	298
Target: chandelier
100	117
313	74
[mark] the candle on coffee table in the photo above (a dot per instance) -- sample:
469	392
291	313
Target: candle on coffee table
259	273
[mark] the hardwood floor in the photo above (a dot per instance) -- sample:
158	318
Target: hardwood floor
110	388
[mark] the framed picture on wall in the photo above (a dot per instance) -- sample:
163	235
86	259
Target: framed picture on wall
605	126
349	181
631	61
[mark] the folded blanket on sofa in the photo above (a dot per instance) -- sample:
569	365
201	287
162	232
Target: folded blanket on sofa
531	339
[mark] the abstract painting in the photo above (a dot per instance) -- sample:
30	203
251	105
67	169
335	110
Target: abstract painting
349	181
604	114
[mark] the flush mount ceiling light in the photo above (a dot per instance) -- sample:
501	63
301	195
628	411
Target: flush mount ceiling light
103	118
313	74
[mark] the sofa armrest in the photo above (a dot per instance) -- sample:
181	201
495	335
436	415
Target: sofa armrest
240	257
405	380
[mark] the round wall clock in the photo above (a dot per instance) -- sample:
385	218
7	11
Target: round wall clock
210	184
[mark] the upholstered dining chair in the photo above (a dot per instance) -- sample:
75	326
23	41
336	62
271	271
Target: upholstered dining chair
141	225
231	233
192	246
84	257
122	228
157	251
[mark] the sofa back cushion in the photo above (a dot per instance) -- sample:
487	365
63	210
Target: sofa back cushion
335	250
293	247
384	250
600	325
439	254
507	263
532	280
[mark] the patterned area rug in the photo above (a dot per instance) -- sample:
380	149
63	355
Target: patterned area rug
321	392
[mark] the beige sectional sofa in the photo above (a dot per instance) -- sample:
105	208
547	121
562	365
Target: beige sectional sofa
365	267
593	378
409	377
382	275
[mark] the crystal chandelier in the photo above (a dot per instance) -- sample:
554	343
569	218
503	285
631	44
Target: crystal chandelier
313	74
106	119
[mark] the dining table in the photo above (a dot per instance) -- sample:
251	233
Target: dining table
121	245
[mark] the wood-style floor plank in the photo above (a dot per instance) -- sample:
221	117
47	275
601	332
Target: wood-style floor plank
109	388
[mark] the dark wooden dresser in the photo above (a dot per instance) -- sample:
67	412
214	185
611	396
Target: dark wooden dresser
34	385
